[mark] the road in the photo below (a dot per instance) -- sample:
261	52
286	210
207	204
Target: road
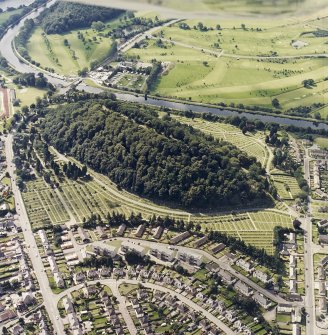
114	284
223	265
32	248
311	326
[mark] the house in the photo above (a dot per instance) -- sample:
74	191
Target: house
67	303
190	257
321	273
93	274
101	233
323	239
296	329
200	242
179	238
244	265
73	321
79	277
18	329
292	286
227	277
7	315
284	308
59	280
231	315
292	273
323	304
292	261
324	261
89	291
140	230
218	248
158	232
83	235
322	288
121	230
43	237
323	223
243	288
262	276
164	254
261	300
53	264
127	246
109	250
231	257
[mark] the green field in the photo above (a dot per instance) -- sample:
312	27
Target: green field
51	52
257	38
252	144
4	16
322	142
287	186
244	81
216	66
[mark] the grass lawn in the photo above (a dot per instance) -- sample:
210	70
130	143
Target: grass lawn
264	37
51	52
322	142
6	15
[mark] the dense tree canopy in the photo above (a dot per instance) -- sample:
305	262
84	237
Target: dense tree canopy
154	157
65	16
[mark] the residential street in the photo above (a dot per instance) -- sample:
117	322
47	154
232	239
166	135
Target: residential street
48	296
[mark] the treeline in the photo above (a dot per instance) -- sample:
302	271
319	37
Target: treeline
261	256
65	16
32	80
153	157
72	171
134	220
153	76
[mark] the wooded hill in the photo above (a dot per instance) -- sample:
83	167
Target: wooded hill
154	157
65	16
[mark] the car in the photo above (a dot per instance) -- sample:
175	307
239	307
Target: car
57	317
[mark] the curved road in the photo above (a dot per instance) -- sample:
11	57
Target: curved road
113	284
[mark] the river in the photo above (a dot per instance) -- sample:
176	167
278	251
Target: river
8	53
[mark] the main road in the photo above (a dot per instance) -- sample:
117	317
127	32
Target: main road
32	248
